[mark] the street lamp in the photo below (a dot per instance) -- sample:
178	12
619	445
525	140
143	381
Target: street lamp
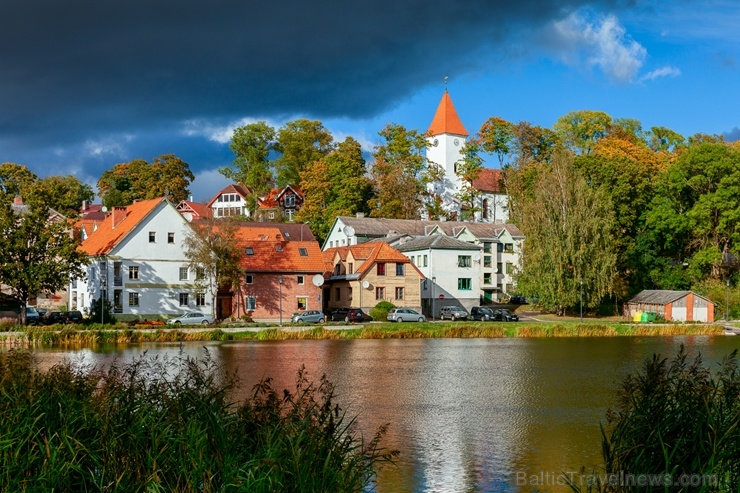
727	301
280	287
581	299
434	281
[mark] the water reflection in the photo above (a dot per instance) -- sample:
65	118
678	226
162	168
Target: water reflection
478	415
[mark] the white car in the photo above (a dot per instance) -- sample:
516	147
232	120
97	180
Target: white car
405	315
192	318
313	316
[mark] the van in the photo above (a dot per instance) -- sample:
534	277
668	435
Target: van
453	312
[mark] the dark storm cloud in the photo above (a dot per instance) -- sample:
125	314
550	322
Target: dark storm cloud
82	69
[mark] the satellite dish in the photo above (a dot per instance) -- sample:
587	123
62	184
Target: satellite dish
318	280
104	209
349	231
365	284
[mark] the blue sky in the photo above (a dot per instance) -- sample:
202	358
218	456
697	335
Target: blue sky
87	84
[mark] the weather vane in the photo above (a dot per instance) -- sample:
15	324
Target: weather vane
446	82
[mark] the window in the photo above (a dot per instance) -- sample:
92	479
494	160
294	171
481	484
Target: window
133	299
249	279
424	285
302	302
464	261
381	269
170	237
509	247
379	293
399	269
249	251
500	247
350	268
200	299
303	252
425	260
300	280
487	278
200	273
183	299
152	237
251	302
117	301
133	271
183	273
485	208
349	294
509	268
464	284
289	215
337	293
278	248
399	293
499	268
272	215
487	247
486	261
289	200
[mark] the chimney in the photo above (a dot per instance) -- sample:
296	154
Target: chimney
117	215
84	205
360	214
18	200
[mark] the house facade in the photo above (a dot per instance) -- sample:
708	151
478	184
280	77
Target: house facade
230	201
283	275
361	276
138	262
500	246
676	306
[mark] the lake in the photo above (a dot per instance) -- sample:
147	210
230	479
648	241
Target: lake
468	415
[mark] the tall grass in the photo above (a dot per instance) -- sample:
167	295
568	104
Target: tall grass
160	424
677	424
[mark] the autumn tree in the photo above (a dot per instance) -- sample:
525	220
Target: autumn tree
39	255
166	176
212	250
335	185
397	174
468	169
15	179
64	194
300	143
569	229
581	130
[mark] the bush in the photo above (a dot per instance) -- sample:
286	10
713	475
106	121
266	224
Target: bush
163	425
380	311
675	419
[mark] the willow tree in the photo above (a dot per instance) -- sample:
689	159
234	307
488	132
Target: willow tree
569	230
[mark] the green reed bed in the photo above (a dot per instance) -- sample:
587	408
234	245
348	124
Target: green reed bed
675	428
169	425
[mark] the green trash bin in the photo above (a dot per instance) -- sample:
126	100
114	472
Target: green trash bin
651	316
644	317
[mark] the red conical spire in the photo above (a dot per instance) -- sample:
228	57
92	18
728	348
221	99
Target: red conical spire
446	120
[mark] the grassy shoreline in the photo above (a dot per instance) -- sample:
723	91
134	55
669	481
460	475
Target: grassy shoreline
72	336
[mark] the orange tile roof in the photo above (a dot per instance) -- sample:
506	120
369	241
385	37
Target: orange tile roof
488	180
369	253
270	254
201	210
446	120
110	233
269	201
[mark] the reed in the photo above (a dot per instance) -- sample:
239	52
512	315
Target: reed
676	423
162	424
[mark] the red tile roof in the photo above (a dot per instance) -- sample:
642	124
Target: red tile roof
488	180
199	210
119	223
238	188
446	120
271	253
370	253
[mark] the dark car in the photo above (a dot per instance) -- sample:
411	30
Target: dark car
504	315
55	318
482	313
32	316
453	312
74	317
349	315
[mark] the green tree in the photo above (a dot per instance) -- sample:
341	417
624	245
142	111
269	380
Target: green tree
581	130
335	185
252	145
397	174
166	176
300	143
38	254
569	239
15	179
662	139
64	194
468	169
495	137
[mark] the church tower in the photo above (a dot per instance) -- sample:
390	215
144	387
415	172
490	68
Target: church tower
446	136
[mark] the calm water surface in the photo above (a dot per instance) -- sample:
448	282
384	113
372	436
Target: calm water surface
468	415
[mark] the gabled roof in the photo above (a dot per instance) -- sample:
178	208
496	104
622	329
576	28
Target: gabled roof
270	201
369	253
371	227
661	296
119	223
488	180
199	210
294	188
237	188
446	120
436	242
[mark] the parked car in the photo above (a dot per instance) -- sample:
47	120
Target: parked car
349	315
42	312
55	318
74	317
453	312
405	315
482	313
32	316
192	318
310	316
504	315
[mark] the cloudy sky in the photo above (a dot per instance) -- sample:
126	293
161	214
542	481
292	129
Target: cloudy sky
86	84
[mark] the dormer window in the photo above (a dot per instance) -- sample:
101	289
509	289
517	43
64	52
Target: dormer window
249	251
278	248
303	252
290	200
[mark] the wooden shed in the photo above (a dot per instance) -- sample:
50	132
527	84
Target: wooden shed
677	306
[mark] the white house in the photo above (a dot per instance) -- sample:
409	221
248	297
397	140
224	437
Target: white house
446	137
451	268
137	261
500	245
